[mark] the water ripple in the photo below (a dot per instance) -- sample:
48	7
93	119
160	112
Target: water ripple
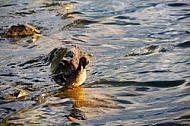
163	84
138	75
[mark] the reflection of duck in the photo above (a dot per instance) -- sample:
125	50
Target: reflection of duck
86	103
78	98
69	68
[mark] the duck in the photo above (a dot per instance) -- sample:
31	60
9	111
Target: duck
71	68
67	75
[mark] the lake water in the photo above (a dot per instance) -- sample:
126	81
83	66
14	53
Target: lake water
139	73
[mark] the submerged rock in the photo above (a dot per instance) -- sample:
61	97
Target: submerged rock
21	30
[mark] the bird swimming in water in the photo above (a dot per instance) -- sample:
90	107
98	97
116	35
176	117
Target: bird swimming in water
68	66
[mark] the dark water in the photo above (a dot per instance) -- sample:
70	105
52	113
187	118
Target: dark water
139	73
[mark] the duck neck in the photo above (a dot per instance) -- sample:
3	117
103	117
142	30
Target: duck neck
80	67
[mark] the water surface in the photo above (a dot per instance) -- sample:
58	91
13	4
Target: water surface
138	75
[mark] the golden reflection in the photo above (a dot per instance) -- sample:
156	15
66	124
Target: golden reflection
85	103
83	98
75	93
67	7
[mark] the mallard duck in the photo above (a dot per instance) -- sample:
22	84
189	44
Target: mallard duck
71	68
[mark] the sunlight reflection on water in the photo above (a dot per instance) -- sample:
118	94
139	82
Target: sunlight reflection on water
140	60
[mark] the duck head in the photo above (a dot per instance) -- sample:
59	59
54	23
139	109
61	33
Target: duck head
83	62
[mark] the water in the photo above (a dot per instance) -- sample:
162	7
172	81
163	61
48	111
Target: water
138	75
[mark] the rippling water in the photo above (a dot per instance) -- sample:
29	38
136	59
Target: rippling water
139	73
